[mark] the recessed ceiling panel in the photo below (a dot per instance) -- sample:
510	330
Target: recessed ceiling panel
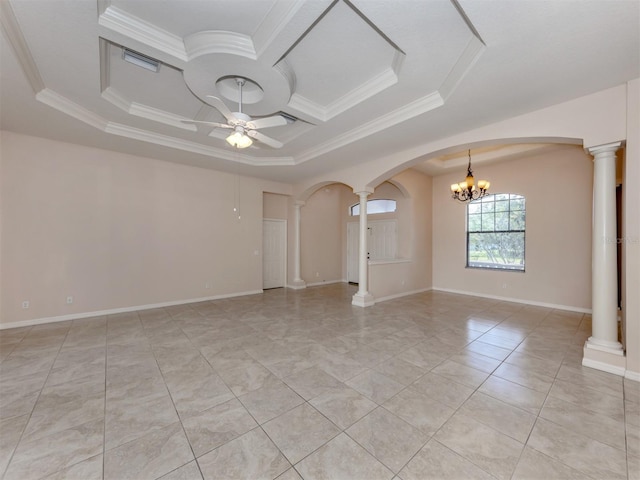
164	89
339	54
202	15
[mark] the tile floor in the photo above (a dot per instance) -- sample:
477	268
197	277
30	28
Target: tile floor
299	384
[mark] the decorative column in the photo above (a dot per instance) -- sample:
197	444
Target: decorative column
603	350
297	281
363	298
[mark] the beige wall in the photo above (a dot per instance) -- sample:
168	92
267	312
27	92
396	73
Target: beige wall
558	191
321	232
631	232
117	231
275	206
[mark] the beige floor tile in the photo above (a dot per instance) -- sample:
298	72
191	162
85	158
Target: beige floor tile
437	462
500	416
633	464
375	386
461	373
124	424
388	438
400	370
342	458
189	471
488	350
526	378
343	406
513	394
269	402
251	455
580	420
312	382
89	469
475	360
581	453
150	456
10	431
489	449
410	353
443	390
216	426
47	455
419	410
300	431
585	397
534	465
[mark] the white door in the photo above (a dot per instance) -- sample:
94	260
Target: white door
274	253
353	247
382	240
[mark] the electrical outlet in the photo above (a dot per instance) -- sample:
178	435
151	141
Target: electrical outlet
504	285
207	285
69	300
317	274
25	304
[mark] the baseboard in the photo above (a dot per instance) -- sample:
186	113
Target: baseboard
401	294
326	282
604	367
516	300
635	376
77	316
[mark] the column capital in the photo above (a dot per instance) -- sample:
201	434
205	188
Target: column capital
366	192
299	203
609	147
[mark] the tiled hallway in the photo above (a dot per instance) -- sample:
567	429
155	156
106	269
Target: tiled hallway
300	384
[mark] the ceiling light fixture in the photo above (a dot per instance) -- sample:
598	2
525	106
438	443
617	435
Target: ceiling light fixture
466	191
140	60
239	139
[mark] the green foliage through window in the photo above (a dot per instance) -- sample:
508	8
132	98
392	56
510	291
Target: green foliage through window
495	232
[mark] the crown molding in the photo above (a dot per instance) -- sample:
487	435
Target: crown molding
21	49
470	55
218	41
119	21
275	22
64	105
413	109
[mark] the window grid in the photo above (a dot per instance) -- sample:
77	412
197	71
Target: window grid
495	232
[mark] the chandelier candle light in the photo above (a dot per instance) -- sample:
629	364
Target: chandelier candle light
467	191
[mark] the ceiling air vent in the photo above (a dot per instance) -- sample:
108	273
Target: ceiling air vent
140	60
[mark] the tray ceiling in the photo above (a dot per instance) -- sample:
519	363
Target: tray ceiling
369	75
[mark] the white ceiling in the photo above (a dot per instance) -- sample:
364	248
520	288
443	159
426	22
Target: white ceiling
364	78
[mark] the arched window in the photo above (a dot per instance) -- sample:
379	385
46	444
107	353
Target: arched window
376	205
495	232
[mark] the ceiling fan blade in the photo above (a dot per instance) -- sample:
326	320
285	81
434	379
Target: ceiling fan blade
274	121
264	139
223	109
211	124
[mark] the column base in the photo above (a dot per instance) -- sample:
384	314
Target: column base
360	300
298	284
608	358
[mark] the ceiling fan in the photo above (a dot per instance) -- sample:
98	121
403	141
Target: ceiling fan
244	127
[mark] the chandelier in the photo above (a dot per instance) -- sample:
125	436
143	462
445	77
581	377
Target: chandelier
467	191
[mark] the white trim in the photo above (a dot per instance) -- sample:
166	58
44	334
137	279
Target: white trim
635	376
605	367
386	261
296	287
111	311
516	300
402	294
327	282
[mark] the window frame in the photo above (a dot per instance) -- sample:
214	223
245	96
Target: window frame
494	198
357	206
